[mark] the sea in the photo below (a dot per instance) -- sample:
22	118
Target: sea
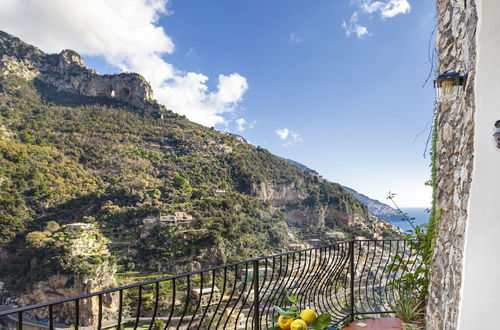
421	215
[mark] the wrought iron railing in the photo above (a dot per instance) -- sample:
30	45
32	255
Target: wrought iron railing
343	279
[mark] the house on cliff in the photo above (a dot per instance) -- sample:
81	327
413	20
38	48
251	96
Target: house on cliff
170	220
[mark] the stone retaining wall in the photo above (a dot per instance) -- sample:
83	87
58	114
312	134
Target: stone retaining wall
456	50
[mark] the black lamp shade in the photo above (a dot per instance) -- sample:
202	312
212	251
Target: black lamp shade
448	85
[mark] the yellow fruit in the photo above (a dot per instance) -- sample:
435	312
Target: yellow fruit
298	324
285	322
308	315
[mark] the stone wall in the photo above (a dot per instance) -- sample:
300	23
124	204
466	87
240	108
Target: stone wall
456	50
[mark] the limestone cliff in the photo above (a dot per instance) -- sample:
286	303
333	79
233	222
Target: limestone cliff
86	267
302	211
327	215
279	194
376	208
63	286
67	73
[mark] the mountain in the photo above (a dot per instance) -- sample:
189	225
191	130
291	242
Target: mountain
301	166
376	208
161	193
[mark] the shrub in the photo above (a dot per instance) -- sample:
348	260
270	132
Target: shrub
37	239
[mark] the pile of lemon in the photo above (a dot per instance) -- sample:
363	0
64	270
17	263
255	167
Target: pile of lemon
307	316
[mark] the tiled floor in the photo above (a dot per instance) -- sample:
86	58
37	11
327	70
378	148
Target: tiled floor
387	323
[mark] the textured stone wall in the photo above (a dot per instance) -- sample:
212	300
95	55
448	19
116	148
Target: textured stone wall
456	50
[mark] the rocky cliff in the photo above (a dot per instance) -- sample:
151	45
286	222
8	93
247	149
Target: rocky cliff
287	196
279	194
66	72
84	264
375	207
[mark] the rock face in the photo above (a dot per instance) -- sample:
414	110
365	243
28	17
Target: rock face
287	195
376	208
67	73
62	286
326	216
456	47
278	194
83	245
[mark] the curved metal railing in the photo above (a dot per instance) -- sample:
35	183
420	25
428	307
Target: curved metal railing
343	279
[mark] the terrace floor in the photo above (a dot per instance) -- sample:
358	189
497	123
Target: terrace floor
386	323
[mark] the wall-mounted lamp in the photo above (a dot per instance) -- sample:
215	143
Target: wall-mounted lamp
448	85
496	135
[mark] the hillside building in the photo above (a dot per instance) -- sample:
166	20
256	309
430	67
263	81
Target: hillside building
170	220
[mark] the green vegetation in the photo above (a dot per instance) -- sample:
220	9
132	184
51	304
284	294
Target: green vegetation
410	311
414	283
35	178
413	287
68	158
75	251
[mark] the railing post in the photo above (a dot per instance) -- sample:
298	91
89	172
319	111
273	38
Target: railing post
351	269
77	313
20	321
256	302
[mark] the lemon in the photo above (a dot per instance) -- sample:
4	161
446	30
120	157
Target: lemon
298	324
308	315
285	322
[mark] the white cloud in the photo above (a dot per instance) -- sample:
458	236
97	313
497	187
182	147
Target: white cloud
127	35
370	8
294	39
288	136
387	9
353	27
282	133
189	95
240	124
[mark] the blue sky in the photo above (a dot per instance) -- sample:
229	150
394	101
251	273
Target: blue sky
349	106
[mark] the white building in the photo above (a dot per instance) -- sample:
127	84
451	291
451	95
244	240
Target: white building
170	220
